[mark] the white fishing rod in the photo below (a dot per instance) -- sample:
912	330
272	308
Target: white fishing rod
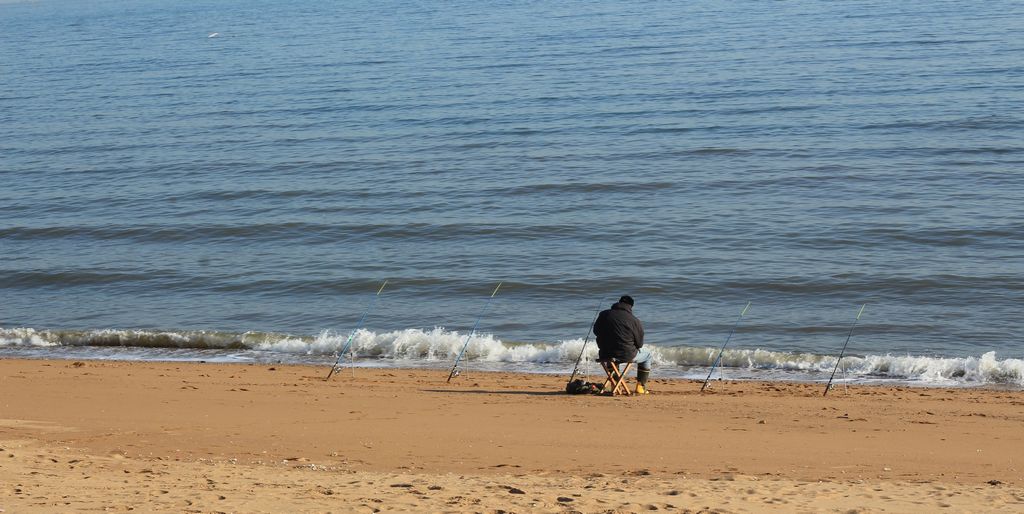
353	334
471	332
722	350
841	352
585	341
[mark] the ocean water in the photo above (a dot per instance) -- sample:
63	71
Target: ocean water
233	181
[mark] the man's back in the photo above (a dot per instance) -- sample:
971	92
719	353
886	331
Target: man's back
619	333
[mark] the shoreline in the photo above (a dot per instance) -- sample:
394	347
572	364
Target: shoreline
123	354
418	349
273	431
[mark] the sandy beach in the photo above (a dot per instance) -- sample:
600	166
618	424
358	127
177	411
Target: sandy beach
196	437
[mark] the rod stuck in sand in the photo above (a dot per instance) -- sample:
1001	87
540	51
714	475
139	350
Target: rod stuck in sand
352	335
455	367
590	330
722	349
841	352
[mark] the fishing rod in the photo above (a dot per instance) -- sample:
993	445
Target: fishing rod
722	350
353	334
841	352
585	341
471	332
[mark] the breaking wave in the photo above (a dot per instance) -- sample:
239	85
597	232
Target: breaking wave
438	346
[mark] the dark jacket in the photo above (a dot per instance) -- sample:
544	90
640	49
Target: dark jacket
619	333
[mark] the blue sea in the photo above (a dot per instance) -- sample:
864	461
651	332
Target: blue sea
233	181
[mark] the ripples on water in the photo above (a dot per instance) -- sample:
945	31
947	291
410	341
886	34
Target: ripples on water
808	158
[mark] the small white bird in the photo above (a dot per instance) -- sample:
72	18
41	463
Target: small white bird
214	34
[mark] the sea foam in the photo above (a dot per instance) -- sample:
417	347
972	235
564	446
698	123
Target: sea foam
439	346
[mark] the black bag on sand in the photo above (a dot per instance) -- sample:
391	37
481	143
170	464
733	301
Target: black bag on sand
580	387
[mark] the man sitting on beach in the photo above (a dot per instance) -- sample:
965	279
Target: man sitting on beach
620	337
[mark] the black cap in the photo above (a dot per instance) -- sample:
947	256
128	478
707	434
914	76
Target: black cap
626	299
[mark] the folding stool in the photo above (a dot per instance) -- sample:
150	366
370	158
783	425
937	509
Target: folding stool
616	376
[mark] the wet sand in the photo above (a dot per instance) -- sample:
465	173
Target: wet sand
193	437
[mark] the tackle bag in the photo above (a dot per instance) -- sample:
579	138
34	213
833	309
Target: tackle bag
580	387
